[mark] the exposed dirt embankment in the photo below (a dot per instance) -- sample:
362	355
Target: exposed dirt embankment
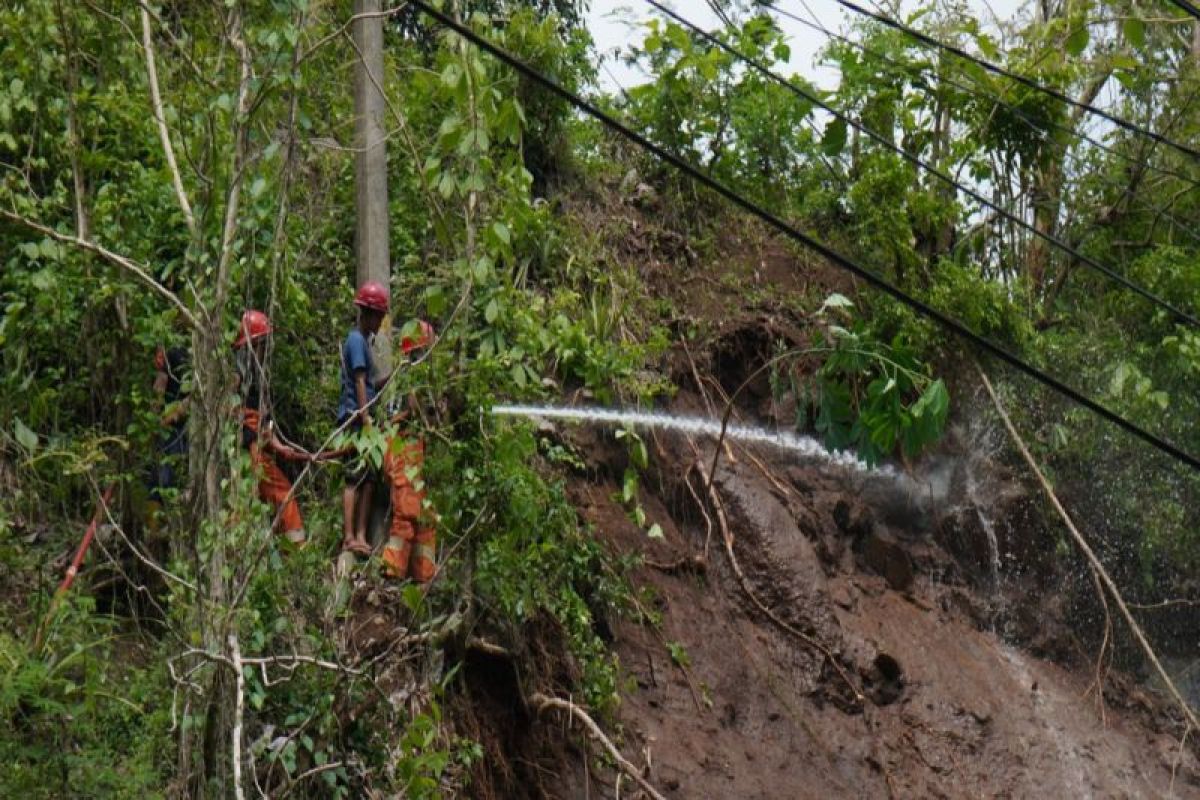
854	660
851	651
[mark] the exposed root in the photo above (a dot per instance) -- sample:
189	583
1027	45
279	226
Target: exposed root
542	702
708	525
694	564
727	536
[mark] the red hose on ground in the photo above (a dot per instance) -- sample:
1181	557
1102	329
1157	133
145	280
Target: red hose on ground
76	562
40	638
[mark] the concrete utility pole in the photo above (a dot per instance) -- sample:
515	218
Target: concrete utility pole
371	197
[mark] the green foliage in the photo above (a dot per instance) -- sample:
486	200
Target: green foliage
532	555
871	396
739	126
88	716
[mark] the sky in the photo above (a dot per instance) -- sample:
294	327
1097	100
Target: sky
615	24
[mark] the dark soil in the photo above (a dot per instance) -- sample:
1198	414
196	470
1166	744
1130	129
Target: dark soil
858	657
753	711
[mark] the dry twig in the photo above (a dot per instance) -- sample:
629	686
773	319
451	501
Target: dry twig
542	702
723	523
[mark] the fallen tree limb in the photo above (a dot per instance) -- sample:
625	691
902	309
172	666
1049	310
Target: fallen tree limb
542	702
1089	554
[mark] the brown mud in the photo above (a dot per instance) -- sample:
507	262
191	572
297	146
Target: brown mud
858	655
748	709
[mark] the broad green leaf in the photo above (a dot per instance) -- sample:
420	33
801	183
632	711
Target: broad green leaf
1116	384
834	140
1077	42
1134	29
502	232
481	269
25	437
1124	61
987	46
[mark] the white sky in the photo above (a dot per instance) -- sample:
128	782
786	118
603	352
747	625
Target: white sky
616	24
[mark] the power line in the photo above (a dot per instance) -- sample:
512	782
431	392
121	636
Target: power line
995	69
1188	7
1033	124
791	231
932	170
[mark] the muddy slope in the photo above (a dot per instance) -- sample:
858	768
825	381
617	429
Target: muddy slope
856	654
873	673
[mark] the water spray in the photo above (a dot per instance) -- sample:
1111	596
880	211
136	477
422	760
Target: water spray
804	446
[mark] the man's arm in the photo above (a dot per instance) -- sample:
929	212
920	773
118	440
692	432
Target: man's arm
276	444
360	390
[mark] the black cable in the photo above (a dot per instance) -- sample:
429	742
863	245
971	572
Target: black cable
1036	125
995	69
1186	6
1050	238
1033	124
845	263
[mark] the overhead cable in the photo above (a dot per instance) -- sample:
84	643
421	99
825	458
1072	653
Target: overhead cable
1034	124
921	307
1190	8
995	69
1049	238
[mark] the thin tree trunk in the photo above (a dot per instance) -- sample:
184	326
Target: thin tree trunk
211	764
83	224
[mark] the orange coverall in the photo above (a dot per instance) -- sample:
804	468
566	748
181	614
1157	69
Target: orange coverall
411	549
273	485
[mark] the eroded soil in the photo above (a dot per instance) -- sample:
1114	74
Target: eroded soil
725	702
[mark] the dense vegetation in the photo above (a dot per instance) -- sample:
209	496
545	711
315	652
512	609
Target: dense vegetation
116	239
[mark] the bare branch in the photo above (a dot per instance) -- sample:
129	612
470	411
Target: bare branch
163	134
324	40
149	562
1088	553
235	654
542	702
116	259
1179	601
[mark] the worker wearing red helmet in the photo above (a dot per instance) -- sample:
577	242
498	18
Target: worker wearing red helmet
258	431
360	385
411	549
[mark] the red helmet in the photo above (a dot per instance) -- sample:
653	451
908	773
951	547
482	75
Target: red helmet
255	325
372	295
422	338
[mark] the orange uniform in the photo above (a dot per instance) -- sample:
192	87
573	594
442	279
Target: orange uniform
411	550
273	486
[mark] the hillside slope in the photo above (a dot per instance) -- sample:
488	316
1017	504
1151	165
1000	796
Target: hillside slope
858	656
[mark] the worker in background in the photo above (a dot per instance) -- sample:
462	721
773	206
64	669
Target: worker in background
259	434
171	403
411	549
359	385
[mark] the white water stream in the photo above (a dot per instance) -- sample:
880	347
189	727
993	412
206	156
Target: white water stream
804	446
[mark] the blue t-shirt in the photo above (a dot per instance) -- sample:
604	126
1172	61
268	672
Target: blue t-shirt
356	355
